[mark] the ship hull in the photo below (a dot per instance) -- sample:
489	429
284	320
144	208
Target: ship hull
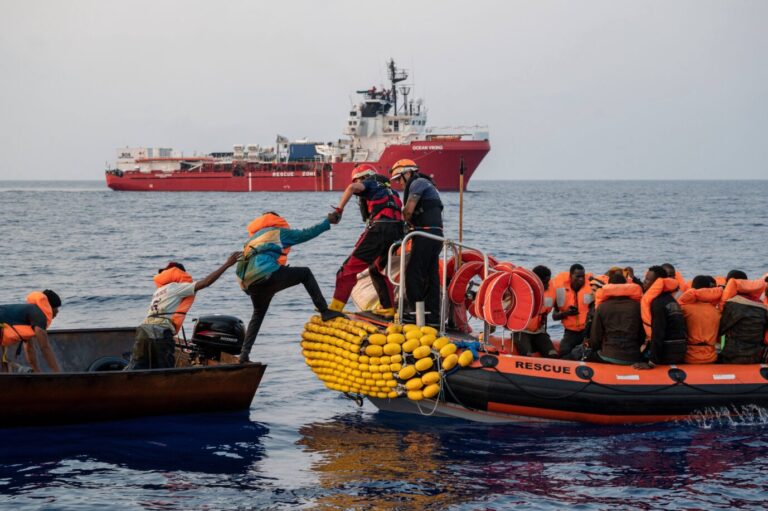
439	159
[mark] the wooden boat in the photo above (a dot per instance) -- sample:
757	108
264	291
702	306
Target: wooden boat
93	387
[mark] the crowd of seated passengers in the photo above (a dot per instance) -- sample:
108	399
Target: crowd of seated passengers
618	319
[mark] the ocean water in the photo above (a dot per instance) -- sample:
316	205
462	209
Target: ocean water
302	446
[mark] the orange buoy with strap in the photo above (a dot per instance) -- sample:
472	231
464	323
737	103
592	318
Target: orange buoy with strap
504	266
457	289
661	285
530	277
495	310
467	255
509	301
476	309
630	290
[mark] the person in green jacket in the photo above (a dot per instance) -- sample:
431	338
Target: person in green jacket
263	273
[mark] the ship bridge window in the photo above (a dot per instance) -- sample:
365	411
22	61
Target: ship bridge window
353	114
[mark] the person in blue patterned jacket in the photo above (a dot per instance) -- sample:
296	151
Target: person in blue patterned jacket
262	271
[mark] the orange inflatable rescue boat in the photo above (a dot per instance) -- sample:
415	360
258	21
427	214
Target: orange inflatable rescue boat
420	370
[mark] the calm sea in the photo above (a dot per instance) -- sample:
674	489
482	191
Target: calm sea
302	446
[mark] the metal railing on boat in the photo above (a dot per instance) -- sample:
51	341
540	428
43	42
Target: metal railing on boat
455	247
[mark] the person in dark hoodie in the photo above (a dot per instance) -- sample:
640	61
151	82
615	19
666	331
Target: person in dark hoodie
744	321
668	336
617	328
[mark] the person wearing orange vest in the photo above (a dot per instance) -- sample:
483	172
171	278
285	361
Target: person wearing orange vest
155	346
675	274
535	338
381	208
573	298
662	319
263	272
617	329
744	321
700	306
28	323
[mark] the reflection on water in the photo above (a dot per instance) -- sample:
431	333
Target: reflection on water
170	456
364	463
384	462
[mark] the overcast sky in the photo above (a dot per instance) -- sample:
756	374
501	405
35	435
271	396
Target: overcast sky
592	90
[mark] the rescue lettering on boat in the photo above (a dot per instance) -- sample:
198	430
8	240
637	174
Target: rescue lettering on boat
536	366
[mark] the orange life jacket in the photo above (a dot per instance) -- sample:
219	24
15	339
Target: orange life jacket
752	289
630	290
170	276
702	320
566	297
662	285
270	220
11	334
683	285
537	323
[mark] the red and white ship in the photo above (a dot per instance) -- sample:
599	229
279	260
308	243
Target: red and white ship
380	130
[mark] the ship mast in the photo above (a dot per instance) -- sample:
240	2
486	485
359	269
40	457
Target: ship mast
395	76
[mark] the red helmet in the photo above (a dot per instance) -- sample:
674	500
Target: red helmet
363	170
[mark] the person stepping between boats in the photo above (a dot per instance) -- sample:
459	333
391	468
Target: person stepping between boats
423	211
573	299
744	322
381	208
535	338
28	323
663	320
155	346
617	328
262	271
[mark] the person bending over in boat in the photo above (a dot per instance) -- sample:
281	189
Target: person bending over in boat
423	211
700	306
155	346
744	321
617	328
663	320
535	338
28	322
572	305
262	271
381	210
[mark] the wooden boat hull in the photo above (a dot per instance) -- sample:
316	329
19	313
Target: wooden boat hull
77	395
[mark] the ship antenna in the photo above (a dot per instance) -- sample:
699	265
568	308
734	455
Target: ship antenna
395	76
461	203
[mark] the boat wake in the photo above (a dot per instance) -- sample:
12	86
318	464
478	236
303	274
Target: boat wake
730	416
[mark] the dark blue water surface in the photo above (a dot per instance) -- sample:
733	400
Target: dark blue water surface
302	446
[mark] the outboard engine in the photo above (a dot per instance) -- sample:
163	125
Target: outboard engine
217	333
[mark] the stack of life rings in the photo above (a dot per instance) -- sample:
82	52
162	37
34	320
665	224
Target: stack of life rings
355	357
509	296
